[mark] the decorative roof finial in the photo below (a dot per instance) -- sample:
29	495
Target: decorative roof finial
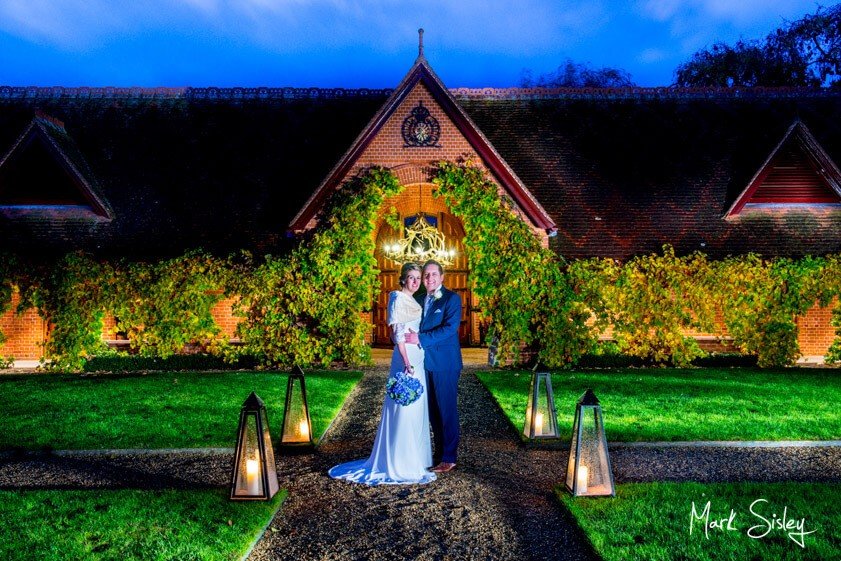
420	42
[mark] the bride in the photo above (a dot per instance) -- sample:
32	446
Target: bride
402	449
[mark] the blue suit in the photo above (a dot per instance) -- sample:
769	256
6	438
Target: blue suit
438	337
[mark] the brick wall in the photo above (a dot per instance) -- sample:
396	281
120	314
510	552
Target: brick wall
815	334
109	328
224	317
24	333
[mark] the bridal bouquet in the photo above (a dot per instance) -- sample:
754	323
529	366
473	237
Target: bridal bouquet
403	389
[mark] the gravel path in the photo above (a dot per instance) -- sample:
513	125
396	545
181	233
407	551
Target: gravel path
497	504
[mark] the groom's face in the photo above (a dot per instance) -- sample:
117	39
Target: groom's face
432	278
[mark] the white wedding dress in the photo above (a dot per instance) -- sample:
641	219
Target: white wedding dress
402	449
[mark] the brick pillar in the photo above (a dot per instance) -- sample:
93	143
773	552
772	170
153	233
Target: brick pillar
25	333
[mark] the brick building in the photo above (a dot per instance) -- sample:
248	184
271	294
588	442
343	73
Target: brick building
611	173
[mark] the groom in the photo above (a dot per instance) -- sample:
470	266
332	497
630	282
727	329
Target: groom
438	336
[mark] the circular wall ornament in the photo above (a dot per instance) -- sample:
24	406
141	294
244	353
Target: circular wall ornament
420	128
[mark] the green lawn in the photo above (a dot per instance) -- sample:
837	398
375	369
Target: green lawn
651	521
129	525
663	404
167	410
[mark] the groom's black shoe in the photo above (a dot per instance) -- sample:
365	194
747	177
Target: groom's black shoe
444	467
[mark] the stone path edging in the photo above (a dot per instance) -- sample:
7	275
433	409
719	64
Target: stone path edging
19	454
730	444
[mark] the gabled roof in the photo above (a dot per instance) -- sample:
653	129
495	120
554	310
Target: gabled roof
625	172
423	74
620	172
76	184
818	167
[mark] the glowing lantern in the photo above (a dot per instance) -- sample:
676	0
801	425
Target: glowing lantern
541	418
254	475
297	427
588	471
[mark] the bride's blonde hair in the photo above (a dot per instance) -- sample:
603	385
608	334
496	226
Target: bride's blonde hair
405	269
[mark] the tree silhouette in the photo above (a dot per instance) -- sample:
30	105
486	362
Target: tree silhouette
805	53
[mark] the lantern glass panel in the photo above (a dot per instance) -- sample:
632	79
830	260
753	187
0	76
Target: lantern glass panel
249	476
267	446
297	428
589	471
541	417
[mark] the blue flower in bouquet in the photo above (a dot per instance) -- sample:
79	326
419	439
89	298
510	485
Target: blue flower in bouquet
403	389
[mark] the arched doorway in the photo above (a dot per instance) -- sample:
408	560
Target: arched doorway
455	277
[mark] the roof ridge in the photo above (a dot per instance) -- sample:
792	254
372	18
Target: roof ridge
234	93
640	92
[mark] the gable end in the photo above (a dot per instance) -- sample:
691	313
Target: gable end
797	172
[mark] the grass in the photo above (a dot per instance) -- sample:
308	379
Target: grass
662	404
651	521
167	410
129	524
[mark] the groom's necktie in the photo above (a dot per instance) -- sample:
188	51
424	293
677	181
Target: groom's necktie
427	304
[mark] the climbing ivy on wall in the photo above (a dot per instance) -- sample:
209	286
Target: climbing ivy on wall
524	293
760	299
8	266
829	288
649	302
163	306
308	307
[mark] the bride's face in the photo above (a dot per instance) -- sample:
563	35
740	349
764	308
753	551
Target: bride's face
413	280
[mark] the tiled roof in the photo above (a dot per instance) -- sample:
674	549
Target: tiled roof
619	172
624	176
184	173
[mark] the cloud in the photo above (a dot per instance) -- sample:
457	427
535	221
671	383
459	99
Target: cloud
67	23
489	26
694	24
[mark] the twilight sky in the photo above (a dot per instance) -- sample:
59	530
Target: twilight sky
361	43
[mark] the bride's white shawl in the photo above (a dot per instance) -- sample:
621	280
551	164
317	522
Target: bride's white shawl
402	309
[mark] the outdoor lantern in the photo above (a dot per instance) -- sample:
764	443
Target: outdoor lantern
588	470
297	427
541	418
254	476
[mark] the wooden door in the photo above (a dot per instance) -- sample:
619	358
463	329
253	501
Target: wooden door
456	278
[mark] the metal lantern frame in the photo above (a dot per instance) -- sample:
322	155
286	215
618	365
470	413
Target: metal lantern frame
291	432
537	416
595	478
246	485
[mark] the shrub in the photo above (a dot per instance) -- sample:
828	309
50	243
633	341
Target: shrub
307	307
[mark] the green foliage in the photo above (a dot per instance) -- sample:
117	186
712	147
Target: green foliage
524	292
163	306
650	302
830	291
71	297
760	299
307	307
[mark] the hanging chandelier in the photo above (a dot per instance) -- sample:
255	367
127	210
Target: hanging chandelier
421	242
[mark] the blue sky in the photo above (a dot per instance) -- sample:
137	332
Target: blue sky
356	43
